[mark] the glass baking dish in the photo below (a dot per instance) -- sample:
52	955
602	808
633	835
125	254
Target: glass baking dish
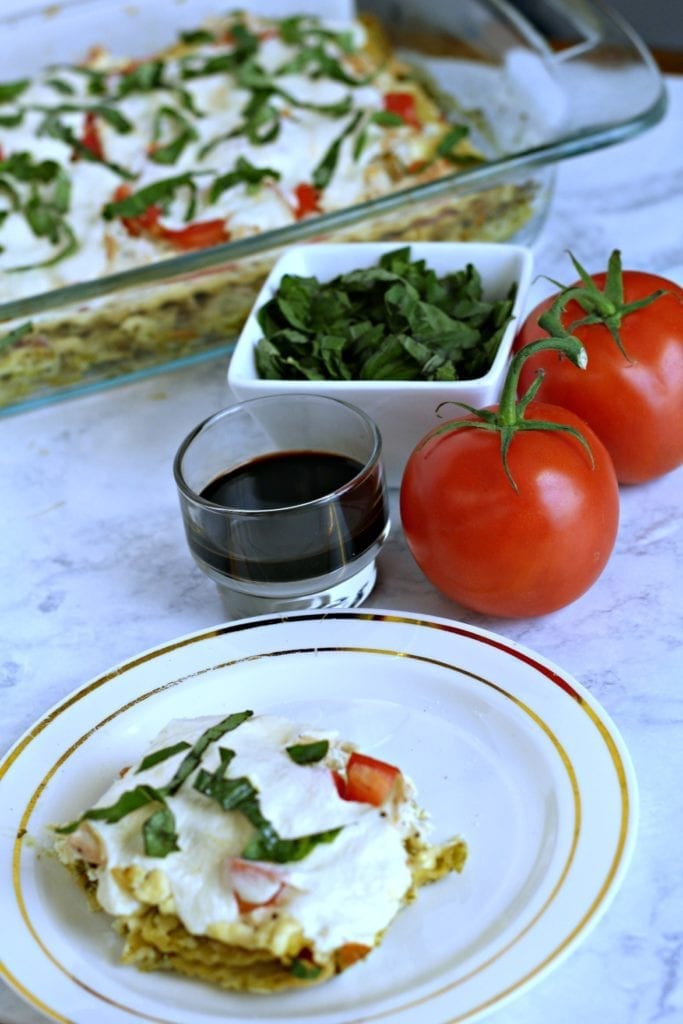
537	82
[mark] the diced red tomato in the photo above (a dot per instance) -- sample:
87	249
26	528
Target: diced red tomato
200	235
253	885
307	200
91	138
350	953
403	104
369	781
340	783
417	166
144	223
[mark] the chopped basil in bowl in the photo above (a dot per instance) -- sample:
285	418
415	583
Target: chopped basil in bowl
395	329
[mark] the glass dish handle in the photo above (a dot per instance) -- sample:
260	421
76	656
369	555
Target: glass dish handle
606	73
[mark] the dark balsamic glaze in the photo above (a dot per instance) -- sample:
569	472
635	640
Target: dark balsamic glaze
300	541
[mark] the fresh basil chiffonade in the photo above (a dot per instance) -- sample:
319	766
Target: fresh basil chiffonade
245	125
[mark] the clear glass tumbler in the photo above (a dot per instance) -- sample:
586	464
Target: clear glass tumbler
284	503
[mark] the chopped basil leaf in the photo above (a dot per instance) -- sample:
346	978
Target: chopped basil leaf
387	118
110	114
158	193
128	802
449	143
323	173
16	334
243	173
56	129
60	85
12	120
158	833
316	62
97	80
228	793
308	753
267	845
339	109
360	143
169	152
196	37
299	28
157	756
186	101
23	167
192	760
143	78
10	192
45	207
246	44
240	794
452	137
261	119
158	830
304	969
209	65
11	90
394	321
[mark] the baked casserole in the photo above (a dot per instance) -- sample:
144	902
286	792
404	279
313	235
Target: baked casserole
254	853
243	127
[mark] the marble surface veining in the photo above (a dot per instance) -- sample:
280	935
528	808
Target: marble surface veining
95	569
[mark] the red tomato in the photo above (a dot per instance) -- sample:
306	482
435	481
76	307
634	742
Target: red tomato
633	399
339	783
350	953
403	104
200	235
307	200
144	223
91	137
368	781
506	551
253	885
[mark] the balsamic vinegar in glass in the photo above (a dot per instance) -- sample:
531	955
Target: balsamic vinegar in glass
311	537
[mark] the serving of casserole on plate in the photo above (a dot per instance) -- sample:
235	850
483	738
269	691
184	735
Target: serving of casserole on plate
504	748
254	852
146	189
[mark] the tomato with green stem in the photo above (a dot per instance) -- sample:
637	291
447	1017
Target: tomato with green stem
512	510
631	325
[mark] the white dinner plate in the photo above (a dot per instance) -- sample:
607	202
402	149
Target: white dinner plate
505	749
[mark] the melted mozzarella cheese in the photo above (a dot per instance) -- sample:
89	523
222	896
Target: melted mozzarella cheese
345	890
215	106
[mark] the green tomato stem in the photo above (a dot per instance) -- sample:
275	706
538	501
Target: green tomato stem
509	417
510	409
601	307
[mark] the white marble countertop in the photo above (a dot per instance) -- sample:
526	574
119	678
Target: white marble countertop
95	569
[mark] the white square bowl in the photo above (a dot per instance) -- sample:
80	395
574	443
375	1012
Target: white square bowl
403	410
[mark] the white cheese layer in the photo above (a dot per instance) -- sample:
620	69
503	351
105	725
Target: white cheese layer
344	890
215	109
